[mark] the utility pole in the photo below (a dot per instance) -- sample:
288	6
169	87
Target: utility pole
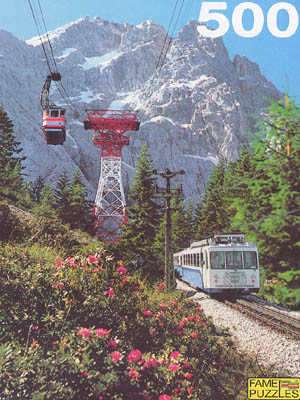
167	194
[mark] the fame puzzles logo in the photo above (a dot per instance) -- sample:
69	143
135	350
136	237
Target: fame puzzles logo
273	388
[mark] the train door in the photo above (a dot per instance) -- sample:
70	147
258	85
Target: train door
205	273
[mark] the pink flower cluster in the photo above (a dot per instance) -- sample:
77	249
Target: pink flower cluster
134	356
99	332
122	270
110	292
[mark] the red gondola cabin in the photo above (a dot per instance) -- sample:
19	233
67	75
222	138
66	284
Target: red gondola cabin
54	125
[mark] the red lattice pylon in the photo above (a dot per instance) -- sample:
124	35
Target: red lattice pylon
110	205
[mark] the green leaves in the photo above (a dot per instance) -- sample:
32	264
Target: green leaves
11	181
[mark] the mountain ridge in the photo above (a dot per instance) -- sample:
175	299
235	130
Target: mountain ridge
196	110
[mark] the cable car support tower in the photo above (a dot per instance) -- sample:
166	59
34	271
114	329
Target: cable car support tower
110	205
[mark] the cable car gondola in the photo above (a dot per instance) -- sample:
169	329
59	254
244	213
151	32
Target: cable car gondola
54	122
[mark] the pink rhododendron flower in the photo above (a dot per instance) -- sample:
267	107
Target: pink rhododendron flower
110	292
116	355
164	397
102	332
54	286
70	259
112	344
179	308
34	328
173	367
188	375
160	287
198	308
194	335
134	374
99	268
92	259
174	302
190	317
84	332
186	364
152	333
122	270
197	319
150	364
125	280
148	313
163	306
61	286
73	265
134	356
85	373
204	324
83	263
58	263
175	355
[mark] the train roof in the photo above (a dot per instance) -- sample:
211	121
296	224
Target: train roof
220	238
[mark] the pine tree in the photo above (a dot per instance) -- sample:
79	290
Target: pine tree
143	218
214	216
62	195
235	181
46	207
11	181
36	189
79	208
182	229
271	210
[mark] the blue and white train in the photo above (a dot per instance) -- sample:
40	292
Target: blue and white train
223	264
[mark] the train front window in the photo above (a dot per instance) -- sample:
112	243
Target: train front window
250	260
234	260
217	260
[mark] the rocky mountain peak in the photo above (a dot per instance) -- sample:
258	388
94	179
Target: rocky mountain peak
194	109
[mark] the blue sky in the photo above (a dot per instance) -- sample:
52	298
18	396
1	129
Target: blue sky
278	58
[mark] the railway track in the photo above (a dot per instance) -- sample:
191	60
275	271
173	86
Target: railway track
269	317
251	306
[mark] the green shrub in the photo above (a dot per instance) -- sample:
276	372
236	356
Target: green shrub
51	232
84	328
10	226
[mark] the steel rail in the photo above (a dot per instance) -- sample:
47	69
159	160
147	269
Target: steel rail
272	318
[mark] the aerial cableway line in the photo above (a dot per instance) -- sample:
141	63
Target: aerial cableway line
54	122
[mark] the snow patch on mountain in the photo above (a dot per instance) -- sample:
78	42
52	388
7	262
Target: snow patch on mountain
67	52
101	61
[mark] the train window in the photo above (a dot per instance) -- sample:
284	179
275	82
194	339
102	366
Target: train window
54	113
62	113
234	260
198	260
217	260
250	259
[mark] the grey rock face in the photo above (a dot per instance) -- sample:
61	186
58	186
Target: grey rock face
195	110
